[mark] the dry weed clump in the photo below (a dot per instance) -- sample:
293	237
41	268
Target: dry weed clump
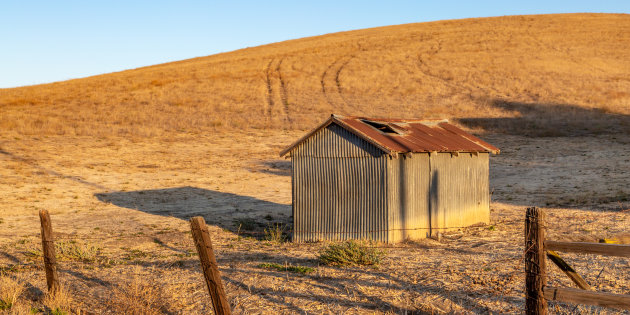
138	297
21	309
275	233
60	302
10	291
351	253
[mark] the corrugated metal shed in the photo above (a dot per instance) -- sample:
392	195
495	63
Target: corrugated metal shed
405	136
349	180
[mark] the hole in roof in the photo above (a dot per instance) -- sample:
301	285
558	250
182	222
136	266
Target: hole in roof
385	128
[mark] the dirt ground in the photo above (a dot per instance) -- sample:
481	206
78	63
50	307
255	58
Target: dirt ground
129	201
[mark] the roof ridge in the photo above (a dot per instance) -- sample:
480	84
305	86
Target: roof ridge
427	136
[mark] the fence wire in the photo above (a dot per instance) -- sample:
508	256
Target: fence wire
519	259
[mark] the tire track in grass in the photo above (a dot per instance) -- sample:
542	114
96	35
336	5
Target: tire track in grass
566	52
269	107
323	83
284	95
338	84
331	84
425	70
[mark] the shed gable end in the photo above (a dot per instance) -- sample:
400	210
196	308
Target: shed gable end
335	141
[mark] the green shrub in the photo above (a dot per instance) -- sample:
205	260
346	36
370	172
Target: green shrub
79	251
351	253
296	269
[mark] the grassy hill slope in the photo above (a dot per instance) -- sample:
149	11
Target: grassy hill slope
538	74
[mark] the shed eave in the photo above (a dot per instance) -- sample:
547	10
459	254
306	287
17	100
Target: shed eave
456	140
333	119
293	145
446	151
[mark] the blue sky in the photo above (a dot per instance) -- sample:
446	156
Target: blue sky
46	41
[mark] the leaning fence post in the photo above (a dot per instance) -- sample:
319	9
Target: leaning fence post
535	302
50	261
209	265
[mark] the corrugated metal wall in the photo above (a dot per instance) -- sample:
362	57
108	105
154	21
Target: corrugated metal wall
408	195
459	190
338	188
346	188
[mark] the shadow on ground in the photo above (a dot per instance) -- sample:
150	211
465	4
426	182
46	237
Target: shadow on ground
551	120
226	210
274	167
345	291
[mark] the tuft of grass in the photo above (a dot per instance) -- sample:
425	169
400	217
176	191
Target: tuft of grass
79	251
291	268
138	297
351	253
275	233
134	254
10	291
59	302
33	253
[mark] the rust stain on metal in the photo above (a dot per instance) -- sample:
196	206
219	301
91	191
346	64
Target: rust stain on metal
395	136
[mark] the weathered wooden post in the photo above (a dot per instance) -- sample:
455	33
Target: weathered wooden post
209	265
535	278
50	261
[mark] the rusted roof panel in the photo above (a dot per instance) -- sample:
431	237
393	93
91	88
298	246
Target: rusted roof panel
406	135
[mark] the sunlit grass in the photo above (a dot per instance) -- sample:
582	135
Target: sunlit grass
448	69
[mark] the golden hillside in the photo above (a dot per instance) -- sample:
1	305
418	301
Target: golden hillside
559	71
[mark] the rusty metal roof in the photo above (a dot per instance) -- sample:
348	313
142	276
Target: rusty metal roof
406	135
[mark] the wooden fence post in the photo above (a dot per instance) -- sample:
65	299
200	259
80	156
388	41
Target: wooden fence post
535	278
50	261
209	265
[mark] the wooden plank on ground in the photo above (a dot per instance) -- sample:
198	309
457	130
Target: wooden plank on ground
568	270
590	248
570	295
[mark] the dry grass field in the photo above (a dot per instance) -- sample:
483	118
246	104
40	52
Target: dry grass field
123	160
501	67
